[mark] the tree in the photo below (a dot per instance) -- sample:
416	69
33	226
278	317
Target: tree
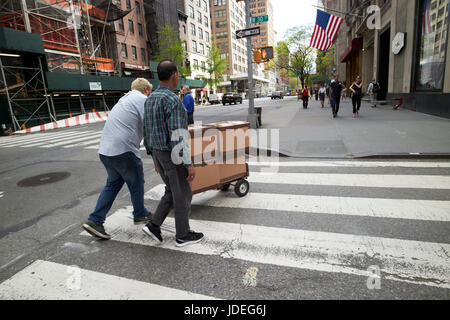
215	67
171	47
325	63
294	55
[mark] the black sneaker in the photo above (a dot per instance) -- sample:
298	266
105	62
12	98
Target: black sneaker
96	230
191	238
153	231
143	220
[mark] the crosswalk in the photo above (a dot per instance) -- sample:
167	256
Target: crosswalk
86	139
248	233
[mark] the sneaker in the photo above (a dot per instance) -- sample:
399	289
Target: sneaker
191	238
153	231
96	230
354	115
143	220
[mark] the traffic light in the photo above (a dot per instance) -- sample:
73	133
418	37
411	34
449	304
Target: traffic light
267	53
256	56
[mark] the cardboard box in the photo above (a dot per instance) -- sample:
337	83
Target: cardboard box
232	172
207	177
234	135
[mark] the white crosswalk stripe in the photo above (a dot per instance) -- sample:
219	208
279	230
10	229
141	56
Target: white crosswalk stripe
401	259
1	194
53	281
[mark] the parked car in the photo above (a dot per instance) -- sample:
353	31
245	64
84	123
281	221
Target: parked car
231	97
277	95
214	99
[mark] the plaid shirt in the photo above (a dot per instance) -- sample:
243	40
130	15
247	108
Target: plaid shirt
164	113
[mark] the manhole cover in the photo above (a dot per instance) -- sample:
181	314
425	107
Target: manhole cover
42	179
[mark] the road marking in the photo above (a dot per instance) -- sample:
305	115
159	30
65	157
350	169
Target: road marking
354	180
45	280
427	210
1	194
71	141
42	138
424	263
344	164
250	276
49	141
82	144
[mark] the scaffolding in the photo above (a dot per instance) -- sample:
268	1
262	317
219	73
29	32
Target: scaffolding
78	38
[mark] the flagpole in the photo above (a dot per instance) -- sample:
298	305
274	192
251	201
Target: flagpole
340	12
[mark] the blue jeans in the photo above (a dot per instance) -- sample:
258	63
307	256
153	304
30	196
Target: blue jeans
124	168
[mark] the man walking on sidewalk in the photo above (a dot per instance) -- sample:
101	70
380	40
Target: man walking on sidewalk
120	153
373	90
335	95
188	103
165	131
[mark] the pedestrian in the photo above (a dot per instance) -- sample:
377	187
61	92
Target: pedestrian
335	95
166	140
306	94
322	92
373	89
120	153
317	94
356	89
188	103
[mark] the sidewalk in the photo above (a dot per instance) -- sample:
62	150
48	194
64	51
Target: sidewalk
378	131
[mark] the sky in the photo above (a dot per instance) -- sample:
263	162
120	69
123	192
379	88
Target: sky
292	13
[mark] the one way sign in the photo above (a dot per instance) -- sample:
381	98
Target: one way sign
250	32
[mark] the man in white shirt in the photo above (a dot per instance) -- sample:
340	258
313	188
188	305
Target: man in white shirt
119	152
373	90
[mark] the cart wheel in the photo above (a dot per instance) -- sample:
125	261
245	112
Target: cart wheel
241	188
225	187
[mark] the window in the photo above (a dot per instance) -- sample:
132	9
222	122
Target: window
193	29
184	29
220	3
124	50
191	12
202	48
197	2
138	7
194	46
133	52
204	5
143	54
221	35
221	24
206	21
430	63
220	13
140	29
131	26
128	2
207	36
200	33
121	26
199	17
195	63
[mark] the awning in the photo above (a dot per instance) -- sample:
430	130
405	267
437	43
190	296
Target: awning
355	45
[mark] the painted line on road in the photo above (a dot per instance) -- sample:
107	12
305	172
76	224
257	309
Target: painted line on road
43	280
68	137
1	194
82	144
354	180
43	138
425	210
344	164
424	263
71	141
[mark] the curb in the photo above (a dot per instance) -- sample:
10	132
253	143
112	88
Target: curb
69	122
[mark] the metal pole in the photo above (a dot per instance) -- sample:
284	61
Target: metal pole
91	41
251	118
76	35
25	16
45	91
13	118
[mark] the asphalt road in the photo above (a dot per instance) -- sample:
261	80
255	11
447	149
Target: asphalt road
314	230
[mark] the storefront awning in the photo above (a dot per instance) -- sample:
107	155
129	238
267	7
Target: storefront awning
355	45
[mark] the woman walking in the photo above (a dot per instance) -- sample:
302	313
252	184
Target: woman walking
322	92
356	88
306	94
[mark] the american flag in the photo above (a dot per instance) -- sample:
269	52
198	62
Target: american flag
325	30
426	22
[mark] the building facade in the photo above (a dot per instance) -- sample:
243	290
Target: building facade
131	37
267	36
406	50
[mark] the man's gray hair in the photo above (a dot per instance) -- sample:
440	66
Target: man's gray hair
187	88
140	84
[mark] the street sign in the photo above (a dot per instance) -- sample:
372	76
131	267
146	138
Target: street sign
250	32
260	19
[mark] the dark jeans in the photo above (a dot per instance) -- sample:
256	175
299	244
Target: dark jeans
305	102
190	118
178	195
335	102
356	101
124	168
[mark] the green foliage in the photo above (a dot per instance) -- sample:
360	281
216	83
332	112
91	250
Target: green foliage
294	57
171	47
215	66
325	63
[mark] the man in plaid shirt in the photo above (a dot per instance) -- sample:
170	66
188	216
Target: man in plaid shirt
166	138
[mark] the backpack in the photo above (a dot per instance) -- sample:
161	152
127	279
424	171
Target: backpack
376	87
